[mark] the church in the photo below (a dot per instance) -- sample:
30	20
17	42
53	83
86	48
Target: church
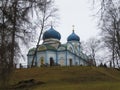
53	53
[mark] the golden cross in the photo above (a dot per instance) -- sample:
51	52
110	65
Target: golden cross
73	27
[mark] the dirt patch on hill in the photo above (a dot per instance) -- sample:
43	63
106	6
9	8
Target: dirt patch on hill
26	84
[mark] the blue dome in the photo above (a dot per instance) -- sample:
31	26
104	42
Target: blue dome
51	33
73	37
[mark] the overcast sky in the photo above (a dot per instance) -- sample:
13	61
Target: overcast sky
78	13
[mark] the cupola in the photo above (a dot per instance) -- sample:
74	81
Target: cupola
51	33
73	37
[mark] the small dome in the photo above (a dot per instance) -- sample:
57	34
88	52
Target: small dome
51	33
73	37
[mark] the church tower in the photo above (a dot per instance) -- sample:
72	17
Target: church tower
51	52
52	37
73	42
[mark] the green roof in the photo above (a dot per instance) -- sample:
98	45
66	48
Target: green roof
46	47
50	47
31	51
41	48
62	47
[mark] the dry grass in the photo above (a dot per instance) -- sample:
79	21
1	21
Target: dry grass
70	78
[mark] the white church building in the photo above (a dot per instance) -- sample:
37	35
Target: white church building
52	52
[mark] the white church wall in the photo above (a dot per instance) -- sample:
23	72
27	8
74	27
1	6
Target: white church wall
58	57
29	60
39	56
70	56
62	58
77	61
82	62
51	54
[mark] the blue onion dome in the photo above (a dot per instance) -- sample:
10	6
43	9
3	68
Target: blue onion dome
51	33
73	37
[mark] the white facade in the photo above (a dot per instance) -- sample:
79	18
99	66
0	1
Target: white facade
52	52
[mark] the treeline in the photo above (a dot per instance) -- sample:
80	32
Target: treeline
16	23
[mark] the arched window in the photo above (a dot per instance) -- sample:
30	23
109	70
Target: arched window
61	61
41	60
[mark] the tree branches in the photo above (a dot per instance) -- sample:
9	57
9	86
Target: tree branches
110	26
15	18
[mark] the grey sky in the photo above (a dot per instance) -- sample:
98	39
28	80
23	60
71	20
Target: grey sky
78	13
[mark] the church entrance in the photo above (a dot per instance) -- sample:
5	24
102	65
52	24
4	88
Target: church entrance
51	61
70	60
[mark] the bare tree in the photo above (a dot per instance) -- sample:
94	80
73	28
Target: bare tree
48	12
91	47
14	22
110	26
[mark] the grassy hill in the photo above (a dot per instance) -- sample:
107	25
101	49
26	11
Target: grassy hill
69	78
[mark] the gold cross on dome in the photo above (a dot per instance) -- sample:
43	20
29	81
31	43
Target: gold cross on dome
73	27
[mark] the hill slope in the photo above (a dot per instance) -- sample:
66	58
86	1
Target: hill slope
70	78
